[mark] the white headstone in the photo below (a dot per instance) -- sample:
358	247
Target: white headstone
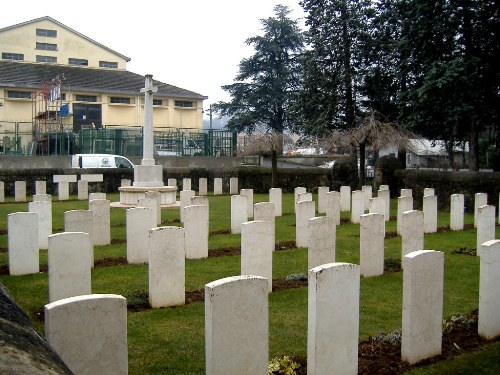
155	196
196	231
237	325
101	229
257	246
233	185
371	244
457	212
368	194
22	237
333	206
404	204
430	213
186	184
275	197
125	182
63	181
406	193
44	213
167	264
345	198
83	190
489	292
429	191
20	191
239	212
40	187
185	200
2	192
321	243
377	206
69	259
80	221
333	319
203	186
138	226
384	187
95	177
412	231
200	201
422	305
172	182
386	196
42	198
480	199
298	190
322	191
305	210
264	211
93	196
249	194
89	333
217	186
358	205
485	226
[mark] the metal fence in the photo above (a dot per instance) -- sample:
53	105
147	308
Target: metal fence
18	138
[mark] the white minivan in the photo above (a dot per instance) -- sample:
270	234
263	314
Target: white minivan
100	161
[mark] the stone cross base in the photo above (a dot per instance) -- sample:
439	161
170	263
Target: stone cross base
148	176
130	195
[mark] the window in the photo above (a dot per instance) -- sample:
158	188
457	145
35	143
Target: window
45	32
120	100
46	59
86	98
19	94
12	56
157	102
81	62
180	103
108	64
46	46
122	162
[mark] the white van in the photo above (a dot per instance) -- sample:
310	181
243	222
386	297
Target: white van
100	161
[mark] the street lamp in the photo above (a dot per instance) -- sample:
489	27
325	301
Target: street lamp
210	130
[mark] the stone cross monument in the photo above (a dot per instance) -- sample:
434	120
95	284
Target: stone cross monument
148	174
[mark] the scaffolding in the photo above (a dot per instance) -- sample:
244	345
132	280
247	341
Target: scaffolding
49	136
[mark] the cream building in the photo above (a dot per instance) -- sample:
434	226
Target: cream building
52	76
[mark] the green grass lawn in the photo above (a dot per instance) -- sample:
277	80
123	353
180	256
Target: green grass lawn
171	340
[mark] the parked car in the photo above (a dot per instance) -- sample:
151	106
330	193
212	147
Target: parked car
100	161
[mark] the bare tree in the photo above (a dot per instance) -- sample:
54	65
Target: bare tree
267	143
375	131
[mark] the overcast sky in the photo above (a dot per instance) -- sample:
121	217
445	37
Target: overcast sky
196	45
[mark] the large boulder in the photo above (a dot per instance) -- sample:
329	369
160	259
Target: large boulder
22	348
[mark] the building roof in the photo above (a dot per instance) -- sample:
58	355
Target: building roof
46	18
431	147
31	76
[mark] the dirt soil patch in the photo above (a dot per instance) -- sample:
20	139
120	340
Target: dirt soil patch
383	358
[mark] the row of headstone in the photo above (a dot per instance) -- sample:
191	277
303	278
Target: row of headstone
75	326
241	303
62	181
168	251
28	232
203	185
